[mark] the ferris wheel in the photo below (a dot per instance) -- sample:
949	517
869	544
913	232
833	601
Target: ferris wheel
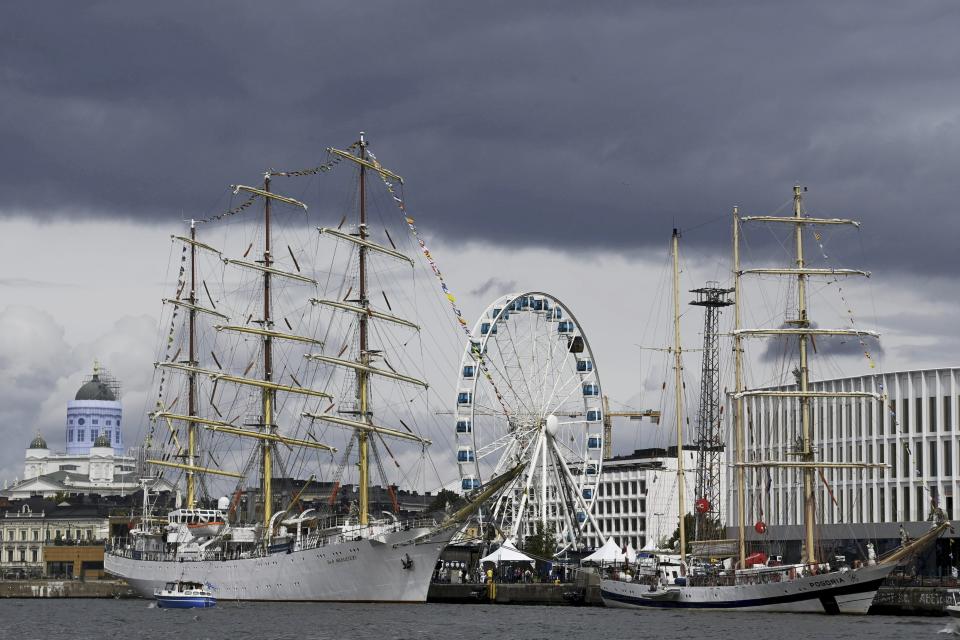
529	394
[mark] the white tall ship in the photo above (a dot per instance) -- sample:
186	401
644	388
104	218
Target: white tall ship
813	585
270	354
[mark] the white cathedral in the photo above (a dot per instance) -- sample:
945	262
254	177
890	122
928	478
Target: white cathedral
94	461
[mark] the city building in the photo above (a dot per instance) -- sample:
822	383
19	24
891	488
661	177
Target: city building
33	532
94	461
637	501
914	433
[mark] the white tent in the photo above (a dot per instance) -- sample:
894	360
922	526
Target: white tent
631	555
506	553
609	553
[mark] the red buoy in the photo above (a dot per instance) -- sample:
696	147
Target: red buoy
760	527
702	505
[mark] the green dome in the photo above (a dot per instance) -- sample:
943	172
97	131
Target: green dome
95	390
103	440
38	443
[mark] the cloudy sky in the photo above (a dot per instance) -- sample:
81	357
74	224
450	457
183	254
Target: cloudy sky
548	146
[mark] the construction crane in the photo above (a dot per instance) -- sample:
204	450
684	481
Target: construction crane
608	417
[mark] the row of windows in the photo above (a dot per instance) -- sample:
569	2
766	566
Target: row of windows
906	459
843	419
83	421
637	542
81	433
22	556
618	506
54	534
625	487
621	525
851	504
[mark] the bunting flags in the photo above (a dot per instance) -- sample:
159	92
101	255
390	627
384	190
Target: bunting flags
220	216
475	348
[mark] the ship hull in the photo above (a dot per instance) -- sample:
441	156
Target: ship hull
393	569
838	592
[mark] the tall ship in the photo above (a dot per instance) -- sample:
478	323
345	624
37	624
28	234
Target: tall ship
270	353
813	585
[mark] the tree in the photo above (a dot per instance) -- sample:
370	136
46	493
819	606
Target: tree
541	544
444	497
713	529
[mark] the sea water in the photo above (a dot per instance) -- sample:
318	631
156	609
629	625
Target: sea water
75	619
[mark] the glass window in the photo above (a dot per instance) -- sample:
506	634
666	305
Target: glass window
932	415
918	417
70	435
116	436
933	458
81	422
947	423
918	468
80	435
947	459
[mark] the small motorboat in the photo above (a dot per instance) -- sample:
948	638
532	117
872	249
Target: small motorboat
662	594
184	595
952	608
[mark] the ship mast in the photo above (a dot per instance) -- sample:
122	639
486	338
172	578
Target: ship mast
802	322
268	394
363	377
192	376
738	388
801	328
361	420
678	407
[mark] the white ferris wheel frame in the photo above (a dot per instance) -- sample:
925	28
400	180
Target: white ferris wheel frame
571	515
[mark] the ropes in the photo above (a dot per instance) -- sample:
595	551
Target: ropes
181	284
846	304
474	348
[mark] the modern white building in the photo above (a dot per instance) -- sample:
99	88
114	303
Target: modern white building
914	433
637	499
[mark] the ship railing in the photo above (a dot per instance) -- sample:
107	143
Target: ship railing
349	531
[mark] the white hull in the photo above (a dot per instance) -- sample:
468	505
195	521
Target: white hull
837	592
355	571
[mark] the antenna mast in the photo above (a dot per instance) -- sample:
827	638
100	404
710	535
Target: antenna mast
709	440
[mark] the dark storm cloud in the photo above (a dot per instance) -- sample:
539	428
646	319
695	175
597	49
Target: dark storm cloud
574	125
494	286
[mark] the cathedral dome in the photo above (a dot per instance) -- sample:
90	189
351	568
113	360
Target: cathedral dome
38	443
103	440
95	389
